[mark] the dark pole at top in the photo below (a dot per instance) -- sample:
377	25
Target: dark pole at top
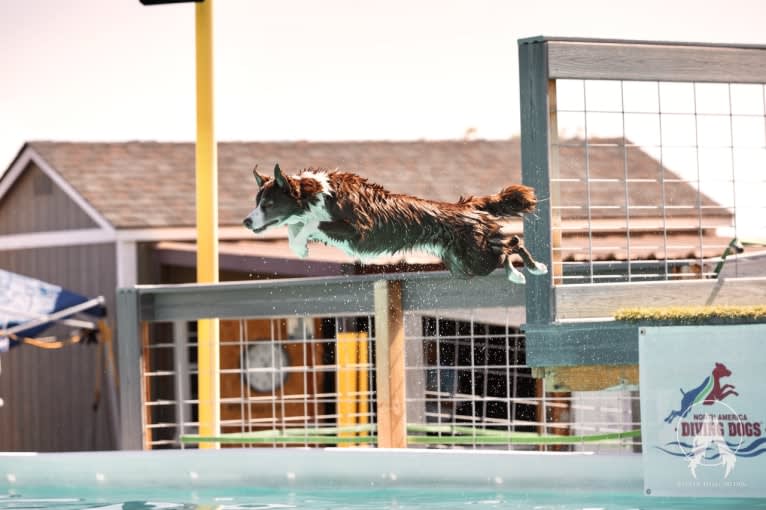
158	2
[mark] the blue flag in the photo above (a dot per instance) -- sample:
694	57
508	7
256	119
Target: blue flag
25	300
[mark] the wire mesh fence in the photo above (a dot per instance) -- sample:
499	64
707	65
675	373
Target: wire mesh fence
655	180
275	374
311	381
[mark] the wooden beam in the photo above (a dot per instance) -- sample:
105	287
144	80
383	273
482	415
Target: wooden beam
130	365
556	266
595	60
604	299
607	342
589	377
537	115
390	373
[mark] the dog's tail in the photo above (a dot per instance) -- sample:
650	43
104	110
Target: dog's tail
514	200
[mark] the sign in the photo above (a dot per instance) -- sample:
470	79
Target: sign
703	410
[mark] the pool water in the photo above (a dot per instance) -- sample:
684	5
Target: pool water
334	479
360	499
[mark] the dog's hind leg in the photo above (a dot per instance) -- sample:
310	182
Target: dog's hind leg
513	274
499	245
533	266
503	247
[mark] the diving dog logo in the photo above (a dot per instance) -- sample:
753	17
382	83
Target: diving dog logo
709	432
706	393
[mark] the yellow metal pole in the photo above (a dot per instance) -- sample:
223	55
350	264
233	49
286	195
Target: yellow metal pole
208	384
345	354
363	383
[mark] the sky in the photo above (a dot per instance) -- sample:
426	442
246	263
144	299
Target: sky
304	69
94	70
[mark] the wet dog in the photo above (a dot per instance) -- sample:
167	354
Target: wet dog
365	220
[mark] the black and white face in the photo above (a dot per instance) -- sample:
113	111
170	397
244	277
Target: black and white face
275	204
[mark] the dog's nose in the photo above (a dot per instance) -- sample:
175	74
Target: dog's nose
247	222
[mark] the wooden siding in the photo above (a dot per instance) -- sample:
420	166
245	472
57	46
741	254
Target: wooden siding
35	204
49	394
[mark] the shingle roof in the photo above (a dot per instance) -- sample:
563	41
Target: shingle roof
151	184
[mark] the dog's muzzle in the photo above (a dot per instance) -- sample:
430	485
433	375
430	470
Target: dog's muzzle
248	223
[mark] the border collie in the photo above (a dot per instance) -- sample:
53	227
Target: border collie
365	220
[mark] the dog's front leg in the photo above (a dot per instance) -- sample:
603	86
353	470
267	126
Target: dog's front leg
298	238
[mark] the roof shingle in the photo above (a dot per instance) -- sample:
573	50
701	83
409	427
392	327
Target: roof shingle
151	184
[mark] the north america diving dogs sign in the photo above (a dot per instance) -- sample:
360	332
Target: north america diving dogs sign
703	409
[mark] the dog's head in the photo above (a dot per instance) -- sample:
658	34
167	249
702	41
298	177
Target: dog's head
281	200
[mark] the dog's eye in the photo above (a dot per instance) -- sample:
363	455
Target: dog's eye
267	204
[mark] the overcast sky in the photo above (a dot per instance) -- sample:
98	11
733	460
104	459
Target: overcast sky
312	70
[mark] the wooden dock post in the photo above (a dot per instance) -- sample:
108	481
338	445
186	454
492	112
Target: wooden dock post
390	371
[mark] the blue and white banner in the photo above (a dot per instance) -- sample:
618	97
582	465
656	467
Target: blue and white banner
703	390
24	300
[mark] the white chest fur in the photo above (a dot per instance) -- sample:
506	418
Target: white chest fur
345	246
299	234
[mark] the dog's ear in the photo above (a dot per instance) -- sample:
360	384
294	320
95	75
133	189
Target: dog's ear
281	180
285	183
260	179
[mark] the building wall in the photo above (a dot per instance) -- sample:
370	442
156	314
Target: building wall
35	204
49	394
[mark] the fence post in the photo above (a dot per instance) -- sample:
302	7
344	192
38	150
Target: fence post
129	367
390	372
538	130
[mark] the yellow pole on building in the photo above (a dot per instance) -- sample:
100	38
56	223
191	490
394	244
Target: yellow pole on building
363	383
345	355
208	384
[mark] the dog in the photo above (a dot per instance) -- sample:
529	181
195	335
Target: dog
365	220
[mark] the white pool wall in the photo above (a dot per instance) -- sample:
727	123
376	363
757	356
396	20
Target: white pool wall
327	468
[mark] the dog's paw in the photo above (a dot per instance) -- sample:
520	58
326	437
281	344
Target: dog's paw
539	268
516	276
513	274
302	250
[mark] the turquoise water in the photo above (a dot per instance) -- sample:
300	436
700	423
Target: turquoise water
359	499
335	479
